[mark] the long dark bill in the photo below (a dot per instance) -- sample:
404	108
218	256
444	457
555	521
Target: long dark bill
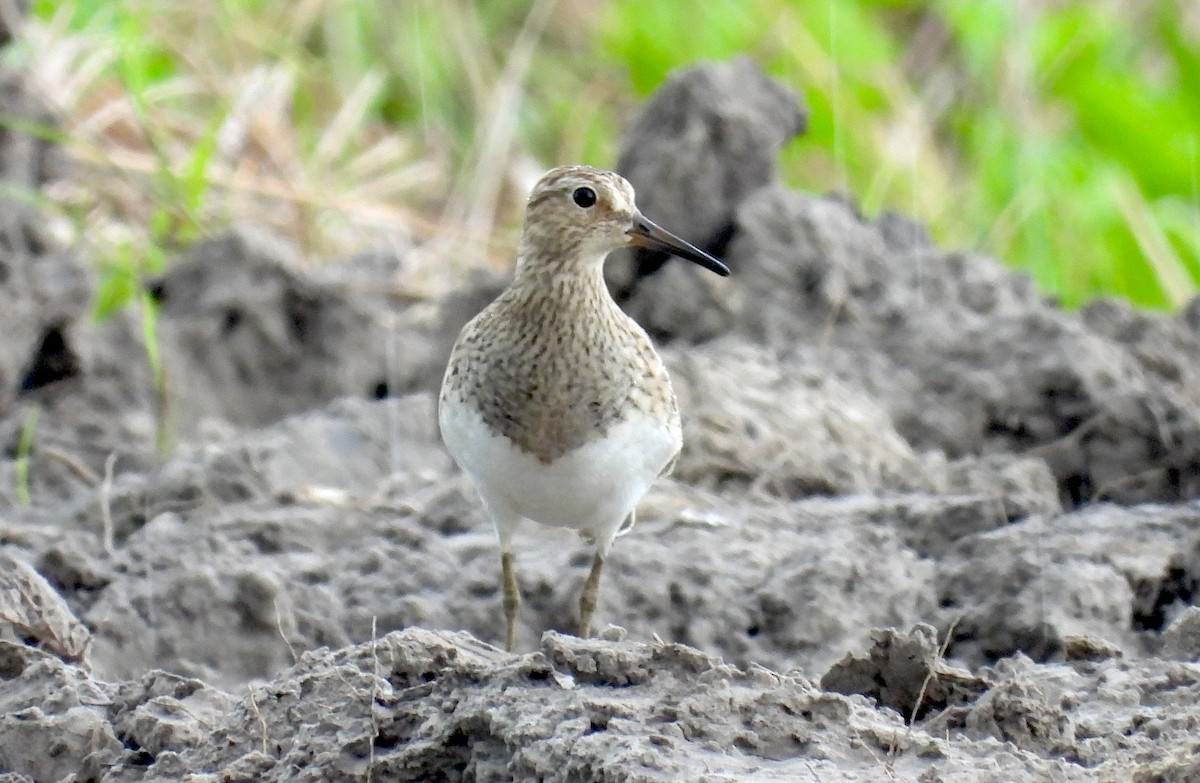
644	233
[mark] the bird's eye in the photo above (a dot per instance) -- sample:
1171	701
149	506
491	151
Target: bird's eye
584	197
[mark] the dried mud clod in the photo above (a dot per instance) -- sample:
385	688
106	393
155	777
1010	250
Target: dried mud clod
1106	572
239	316
1181	640
34	614
706	140
906	672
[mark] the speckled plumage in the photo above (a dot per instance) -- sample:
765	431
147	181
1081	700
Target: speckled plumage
554	363
554	401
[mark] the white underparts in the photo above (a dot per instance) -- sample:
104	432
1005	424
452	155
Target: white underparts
592	489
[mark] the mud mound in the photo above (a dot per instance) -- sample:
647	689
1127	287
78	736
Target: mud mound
968	359
72	392
421	705
711	137
226	562
1107	572
966	356
237	317
747	412
774	426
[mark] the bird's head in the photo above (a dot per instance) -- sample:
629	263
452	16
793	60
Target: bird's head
581	214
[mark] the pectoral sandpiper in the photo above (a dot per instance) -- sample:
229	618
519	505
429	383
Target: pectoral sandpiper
555	403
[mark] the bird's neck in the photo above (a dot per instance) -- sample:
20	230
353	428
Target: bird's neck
561	281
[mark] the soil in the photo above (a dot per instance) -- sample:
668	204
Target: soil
927	525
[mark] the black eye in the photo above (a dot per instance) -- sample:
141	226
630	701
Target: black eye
584	197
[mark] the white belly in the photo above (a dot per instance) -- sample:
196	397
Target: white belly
591	489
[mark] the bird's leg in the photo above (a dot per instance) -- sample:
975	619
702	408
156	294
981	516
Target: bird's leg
512	599
587	599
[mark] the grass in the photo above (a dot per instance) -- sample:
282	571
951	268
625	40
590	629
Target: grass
1062	137
24	453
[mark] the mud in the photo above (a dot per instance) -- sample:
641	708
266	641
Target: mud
927	525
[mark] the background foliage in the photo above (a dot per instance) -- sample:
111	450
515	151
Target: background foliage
1062	136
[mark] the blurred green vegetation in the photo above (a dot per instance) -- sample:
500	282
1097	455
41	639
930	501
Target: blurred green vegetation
1062	136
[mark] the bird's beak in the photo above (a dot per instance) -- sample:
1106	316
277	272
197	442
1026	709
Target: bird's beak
644	233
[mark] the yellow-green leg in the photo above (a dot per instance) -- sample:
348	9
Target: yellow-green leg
587	599
512	599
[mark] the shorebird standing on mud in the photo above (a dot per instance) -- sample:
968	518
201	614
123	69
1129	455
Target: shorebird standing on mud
555	403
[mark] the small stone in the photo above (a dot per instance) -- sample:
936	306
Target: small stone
1181	640
1089	648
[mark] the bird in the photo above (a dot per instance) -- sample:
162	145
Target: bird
555	403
